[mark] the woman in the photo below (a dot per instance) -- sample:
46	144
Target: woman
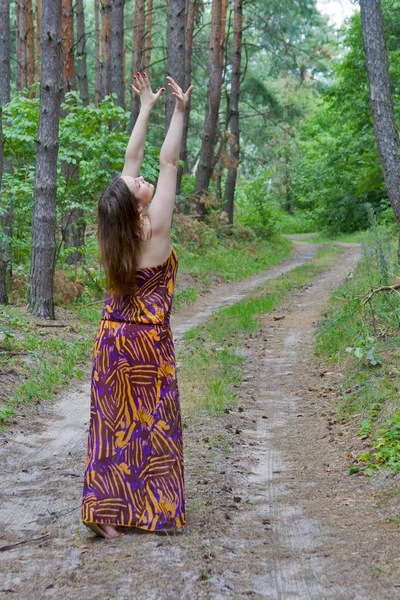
134	467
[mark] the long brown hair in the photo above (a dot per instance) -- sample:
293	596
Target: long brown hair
119	235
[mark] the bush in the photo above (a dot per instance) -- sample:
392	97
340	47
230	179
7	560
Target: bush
255	207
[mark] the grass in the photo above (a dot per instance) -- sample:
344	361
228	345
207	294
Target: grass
44	360
212	357
234	261
350	238
363	340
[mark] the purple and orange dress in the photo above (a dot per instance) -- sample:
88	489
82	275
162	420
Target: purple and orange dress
134	473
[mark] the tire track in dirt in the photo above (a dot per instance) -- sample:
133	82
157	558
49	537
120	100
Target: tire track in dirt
256	526
302	527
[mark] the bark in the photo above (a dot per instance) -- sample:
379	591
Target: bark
286	154
21	7
73	225
106	79
137	53
38	32
30	41
97	92
4	52
175	49
67	25
73	228
224	10
117	50
386	134
148	37
41	301
81	71
6	218
191	6
124	67
215	62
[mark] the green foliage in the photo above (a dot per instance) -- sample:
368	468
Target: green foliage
93	140
337	172
256	207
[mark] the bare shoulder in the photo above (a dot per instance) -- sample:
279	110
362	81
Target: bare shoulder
155	251
160	215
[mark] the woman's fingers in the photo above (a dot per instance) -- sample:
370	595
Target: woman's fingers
189	91
135	89
172	83
160	91
139	78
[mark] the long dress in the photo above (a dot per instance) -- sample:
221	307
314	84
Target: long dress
134	468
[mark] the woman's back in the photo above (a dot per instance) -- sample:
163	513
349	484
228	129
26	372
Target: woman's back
152	301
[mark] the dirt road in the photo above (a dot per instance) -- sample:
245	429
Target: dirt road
271	510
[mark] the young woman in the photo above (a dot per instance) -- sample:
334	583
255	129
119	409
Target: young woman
134	468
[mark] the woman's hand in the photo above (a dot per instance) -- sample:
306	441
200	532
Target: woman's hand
141	85
182	99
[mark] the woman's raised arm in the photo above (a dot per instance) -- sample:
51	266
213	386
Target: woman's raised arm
162	205
135	148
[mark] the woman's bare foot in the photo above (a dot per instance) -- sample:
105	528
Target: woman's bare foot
109	530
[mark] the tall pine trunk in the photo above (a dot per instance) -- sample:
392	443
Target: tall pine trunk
38	33
21	7
6	218
41	302
175	49
137	53
191	6
234	112
215	63
106	80
30	46
67	24
81	70
97	91
117	51
386	134
148	37
73	225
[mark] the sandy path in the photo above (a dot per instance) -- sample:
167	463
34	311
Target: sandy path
266	490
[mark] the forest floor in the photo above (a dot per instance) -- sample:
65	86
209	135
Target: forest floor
271	509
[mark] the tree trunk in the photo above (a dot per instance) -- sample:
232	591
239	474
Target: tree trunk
175	49
286	153
117	51
106	80
137	54
191	6
21	7
41	302
68	46
148	38
81	71
30	41
72	223
98	68
386	134
6	218
234	112
38	33
215	62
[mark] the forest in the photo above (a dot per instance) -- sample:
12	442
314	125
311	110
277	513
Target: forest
290	151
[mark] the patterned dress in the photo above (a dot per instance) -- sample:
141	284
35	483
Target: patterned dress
134	468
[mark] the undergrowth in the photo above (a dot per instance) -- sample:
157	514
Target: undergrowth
361	334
